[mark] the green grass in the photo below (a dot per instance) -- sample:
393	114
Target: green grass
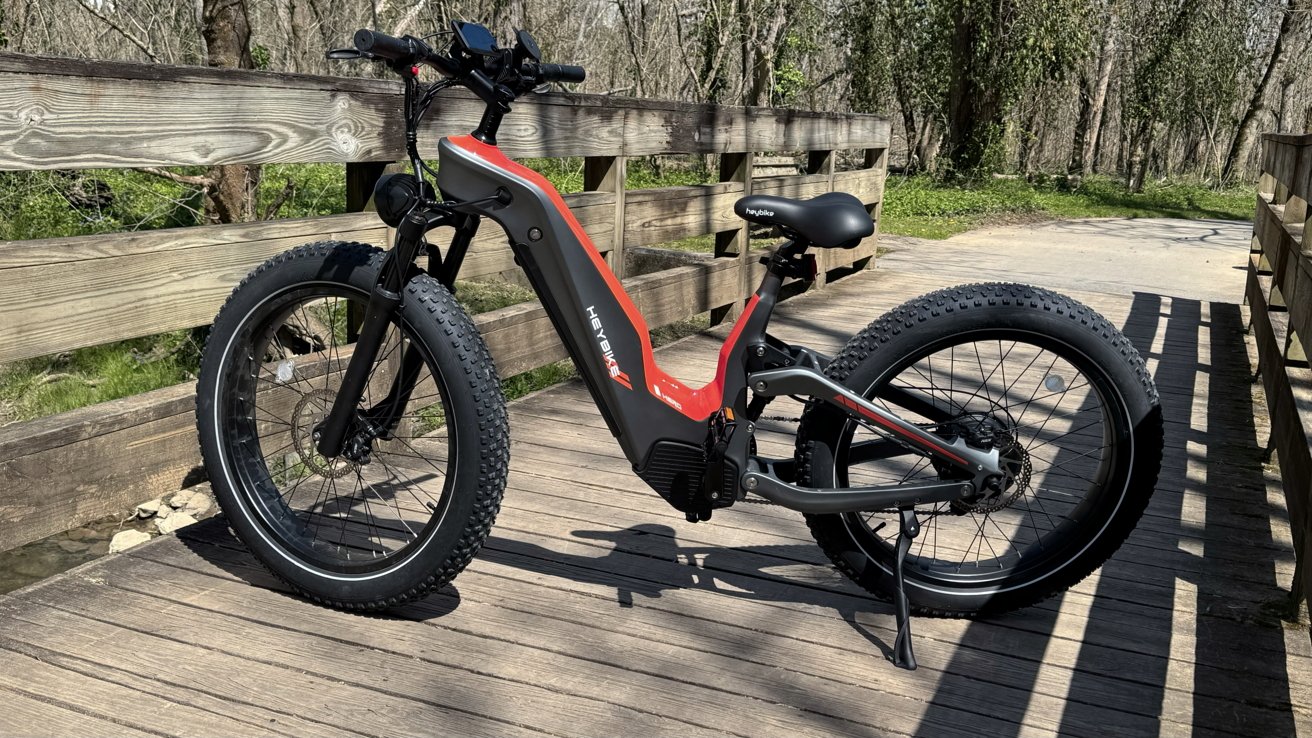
566	173
48	385
919	206
58	204
55	204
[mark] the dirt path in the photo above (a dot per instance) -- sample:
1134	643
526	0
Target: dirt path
1201	259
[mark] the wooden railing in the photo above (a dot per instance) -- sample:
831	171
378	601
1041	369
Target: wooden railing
1279	296
66	293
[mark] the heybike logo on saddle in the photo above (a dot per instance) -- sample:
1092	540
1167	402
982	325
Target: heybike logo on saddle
612	366
760	212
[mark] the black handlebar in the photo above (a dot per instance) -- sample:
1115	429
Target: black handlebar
410	50
383	46
496	76
559	73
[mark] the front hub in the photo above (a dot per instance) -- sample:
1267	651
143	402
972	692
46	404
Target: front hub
309	413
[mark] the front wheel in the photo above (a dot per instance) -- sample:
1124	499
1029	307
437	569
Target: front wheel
1045	381
413	495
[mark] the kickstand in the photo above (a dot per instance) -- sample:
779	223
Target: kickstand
910	528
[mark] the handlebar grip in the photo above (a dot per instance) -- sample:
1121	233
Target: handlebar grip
561	73
381	45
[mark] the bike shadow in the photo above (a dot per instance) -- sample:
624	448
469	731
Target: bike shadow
648	561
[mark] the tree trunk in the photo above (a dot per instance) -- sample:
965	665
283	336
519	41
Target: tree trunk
1243	140
1029	137
974	113
227	32
928	142
1144	160
764	51
1093	100
908	125
1099	139
1282	119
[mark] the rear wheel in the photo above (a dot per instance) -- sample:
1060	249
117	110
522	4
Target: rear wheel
1050	385
413	495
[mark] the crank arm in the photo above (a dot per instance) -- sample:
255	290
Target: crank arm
849	499
805	381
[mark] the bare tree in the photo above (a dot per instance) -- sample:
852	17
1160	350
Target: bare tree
1243	140
1093	98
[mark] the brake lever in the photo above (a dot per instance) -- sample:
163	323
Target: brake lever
346	54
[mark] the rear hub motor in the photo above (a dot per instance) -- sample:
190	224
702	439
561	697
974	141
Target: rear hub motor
988	432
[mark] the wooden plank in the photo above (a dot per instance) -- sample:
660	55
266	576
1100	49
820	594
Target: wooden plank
62	471
821	162
778	669
292	690
112	289
670	213
469	668
733	235
27	715
134	284
30	670
607	174
79	114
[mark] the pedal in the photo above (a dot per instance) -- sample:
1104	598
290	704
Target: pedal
909	528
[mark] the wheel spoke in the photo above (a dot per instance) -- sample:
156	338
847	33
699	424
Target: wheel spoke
1056	458
355	510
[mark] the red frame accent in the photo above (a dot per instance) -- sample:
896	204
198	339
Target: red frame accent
841	400
697	404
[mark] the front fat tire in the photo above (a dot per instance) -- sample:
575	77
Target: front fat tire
871	357
478	419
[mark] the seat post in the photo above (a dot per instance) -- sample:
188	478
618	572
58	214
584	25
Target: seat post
791	260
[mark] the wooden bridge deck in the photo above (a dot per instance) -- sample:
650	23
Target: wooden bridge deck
596	610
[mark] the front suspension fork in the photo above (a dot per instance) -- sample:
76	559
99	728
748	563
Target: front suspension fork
384	301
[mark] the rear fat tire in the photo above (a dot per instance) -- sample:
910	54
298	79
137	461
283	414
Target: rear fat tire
478	423
870	358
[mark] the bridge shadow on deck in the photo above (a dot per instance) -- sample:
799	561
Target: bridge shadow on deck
1180	625
1213	578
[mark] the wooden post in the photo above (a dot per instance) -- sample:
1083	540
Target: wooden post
822	162
736	167
361	176
876	159
606	174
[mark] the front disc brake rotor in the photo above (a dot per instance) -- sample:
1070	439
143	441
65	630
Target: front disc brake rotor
310	411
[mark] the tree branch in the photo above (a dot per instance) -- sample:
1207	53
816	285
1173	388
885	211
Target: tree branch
121	30
205	183
288	191
408	18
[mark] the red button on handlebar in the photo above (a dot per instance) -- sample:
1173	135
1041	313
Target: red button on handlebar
414	71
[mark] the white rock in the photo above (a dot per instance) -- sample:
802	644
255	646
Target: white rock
149	509
123	540
174	522
198	505
179	500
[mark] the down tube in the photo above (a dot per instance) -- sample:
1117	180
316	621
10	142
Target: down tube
598	323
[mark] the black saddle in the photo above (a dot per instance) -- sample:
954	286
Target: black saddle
834	219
